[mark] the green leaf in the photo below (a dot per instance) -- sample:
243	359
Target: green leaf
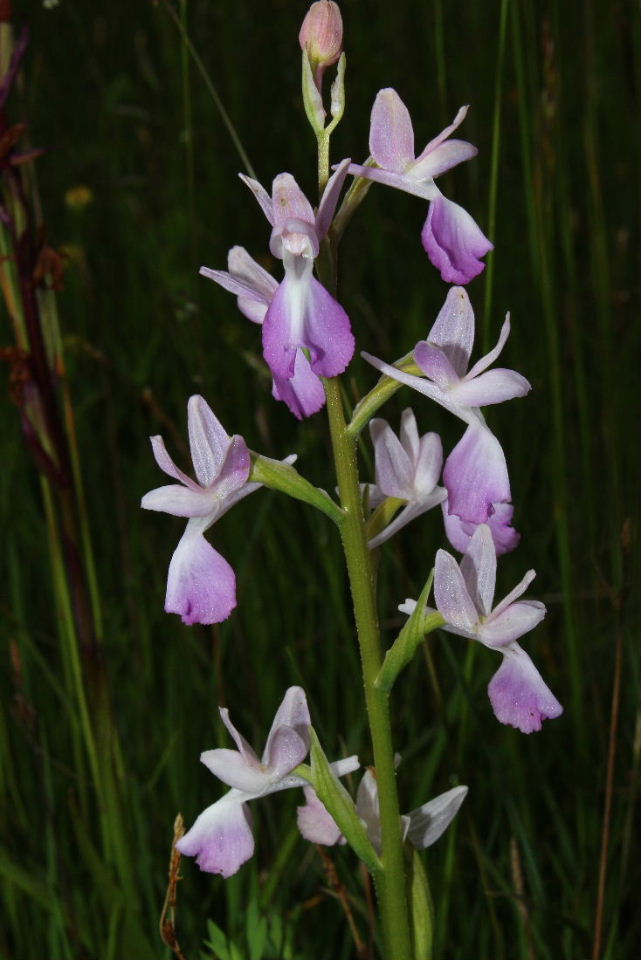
283	477
409	639
421	906
340	805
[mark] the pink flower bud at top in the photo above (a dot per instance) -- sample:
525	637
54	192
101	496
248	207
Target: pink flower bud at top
321	35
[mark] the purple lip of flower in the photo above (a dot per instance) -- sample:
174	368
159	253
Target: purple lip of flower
201	585
464	596
452	240
302	314
459	532
408	469
221	838
422	827
255	288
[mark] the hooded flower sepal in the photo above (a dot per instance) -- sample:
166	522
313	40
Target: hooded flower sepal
201	585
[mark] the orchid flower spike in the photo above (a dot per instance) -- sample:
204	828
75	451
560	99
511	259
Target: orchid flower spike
407	468
201	585
422	827
475	474
302	315
464	595
255	288
221	839
451	238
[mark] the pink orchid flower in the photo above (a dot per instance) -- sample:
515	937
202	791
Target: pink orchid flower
451	238
475	473
302	315
201	585
221	838
464	595
255	289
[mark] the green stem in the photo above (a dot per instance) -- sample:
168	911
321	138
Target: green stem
390	882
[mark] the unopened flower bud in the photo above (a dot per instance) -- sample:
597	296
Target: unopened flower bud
321	36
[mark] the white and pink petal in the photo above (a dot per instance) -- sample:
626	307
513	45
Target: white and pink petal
453	241
519	695
201	585
221	838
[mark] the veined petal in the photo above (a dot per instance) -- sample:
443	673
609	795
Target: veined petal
240	264
251	309
479	569
303	393
208	440
293	712
201	585
428	822
423	386
394	469
451	594
514	594
453	241
407	514
495	386
409	434
221	838
494	353
442	158
391	136
234	469
428	464
230	767
246	751
240	287
167	465
447	132
511	623
330	197
435	364
475	475
287	748
518	694
178	501
459	532
426	189
315	823
289	201
263	198
453	329
327	332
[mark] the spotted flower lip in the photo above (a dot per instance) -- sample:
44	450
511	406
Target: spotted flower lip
464	595
407	468
221	838
302	314
201	585
450	237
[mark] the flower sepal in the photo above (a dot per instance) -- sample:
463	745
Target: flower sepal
380	393
340	806
414	631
